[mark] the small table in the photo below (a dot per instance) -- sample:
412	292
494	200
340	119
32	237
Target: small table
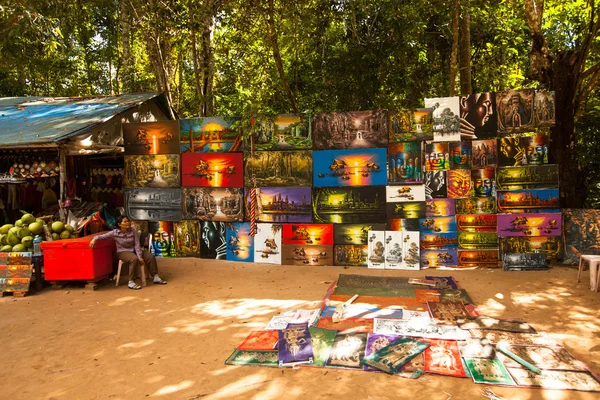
594	261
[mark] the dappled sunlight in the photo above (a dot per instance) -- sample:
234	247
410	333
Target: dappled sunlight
490	307
155	379
246	308
225	370
151	310
137	345
499	296
195	327
123	300
173	388
274	390
239	387
140	354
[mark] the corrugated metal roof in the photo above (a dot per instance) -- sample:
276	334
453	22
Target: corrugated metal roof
43	120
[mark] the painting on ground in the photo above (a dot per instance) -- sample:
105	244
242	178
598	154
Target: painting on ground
349	205
151	138
308	234
351	130
282	204
405	163
478	116
530	177
153	204
212	169
240	245
187	238
485	153
162	239
446	118
515	110
532	200
543	109
355	167
540	224
213	204
214	240
411	125
278	168
279	132
160	171
211	134
268	243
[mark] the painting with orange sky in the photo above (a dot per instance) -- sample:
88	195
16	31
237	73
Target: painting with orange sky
308	234
212	169
279	132
151	138
356	167
530	224
211	134
160	171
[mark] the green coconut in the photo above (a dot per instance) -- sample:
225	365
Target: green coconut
58	226
3	239
6	249
12	239
27	219
27	241
69	228
36	227
4	229
65	235
18	223
14	230
55	236
19	248
23	233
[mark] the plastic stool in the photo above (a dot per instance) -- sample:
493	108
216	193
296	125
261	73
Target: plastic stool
142	272
594	261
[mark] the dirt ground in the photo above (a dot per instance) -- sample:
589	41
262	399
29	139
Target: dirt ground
170	341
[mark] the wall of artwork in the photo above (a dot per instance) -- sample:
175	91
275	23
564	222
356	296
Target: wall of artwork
464	182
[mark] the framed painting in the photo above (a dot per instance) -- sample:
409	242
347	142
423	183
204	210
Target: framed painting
477	222
411	125
460	184
210	135
581	233
282	204
478	115
477	240
485	153
161	171
151	138
376	250
352	255
437	156
543	109
405	193
533	224
530	177
351	130
515	110
405	163
187	238
439	241
307	255
214	240
278	168
524	150
439	258
360	205
413	209
354	233
213	204
268	243
476	205
461	155
484	182
402	224
446	118
440	207
528	201
549	245
212	169
478	258
437	224
354	167
153	204
308	234
240	245
524	261
436	185
162	239
280	132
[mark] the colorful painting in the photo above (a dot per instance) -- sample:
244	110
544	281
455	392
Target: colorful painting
401	224
527	201
214	240
543	109
151	138
354	167
460	184
477	222
308	234
437	156
418	327
411	125
212	169
260	340
478	115
278	168
414	209
162	239
515	110
354	233
351	130
282	204
375	343
153	204
240	245
436	185
476	205
362	205
524	261
16	271
443	358
484	182
440	207
211	134
490	372
376	250
15	258
14	284
393	249
160	171
446	118
524	150
279	132
187	238
295	345
307	255
540	224
478	258
488	323
477	240
405	163
558	380
461	155
437	224
393	357
322	340
347	351
581	232
543	357
268	243
549	245
485	153
439	241
439	258
213	204
354	255
397	194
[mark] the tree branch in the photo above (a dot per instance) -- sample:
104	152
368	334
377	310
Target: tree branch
582	94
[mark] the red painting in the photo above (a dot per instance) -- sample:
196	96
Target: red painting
308	234
212	169
443	357
260	340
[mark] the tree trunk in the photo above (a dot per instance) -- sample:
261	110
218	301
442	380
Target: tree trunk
208	59
193	30
454	56
127	74
465	51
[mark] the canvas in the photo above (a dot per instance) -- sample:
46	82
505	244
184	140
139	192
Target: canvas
16	258
16	271
405	193
477	240
477	348
438	224
413	209
260	340
162	239
151	138
308	234
393	357
362	205
346	325
278	168
420	327
515	110
212	169
353	167
446	118
549	245
484	182
405	163
214	240
485	153
478	258
153	204
443	358
394	255
477	222
533	224
347	351
351	130
461	155
460	184
478	115
529	200
295	345
372	281
307	255
268	243
440	207
253	358
411	125
436	185
376	250
489	372
439	259
161	171
530	177
14	284
543	357
443	282
437	156
410	249
321	340
456	295
282	204
558	380
354	233
240	245
187	238
523	151
279	132
401	224
524	261
213	204
352	311
444	312
514	338
439	241
476	205
543	109
489	323
279	322
210	134
581	232
354	255
374	344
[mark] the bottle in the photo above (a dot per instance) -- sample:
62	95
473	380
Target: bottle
37	248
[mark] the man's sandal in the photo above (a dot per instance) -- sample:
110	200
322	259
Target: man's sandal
160	282
134	287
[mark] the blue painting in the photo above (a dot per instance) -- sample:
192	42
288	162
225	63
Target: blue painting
355	167
240	245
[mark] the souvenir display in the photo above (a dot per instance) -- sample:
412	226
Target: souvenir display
212	169
151	138
543	109
354	167
406	193
350	255
153	204
306	255
535	224
477	258
523	151
401	224
437	224
440	207
152	171
476	205
414	209
354	233
477	222
461	155
581	232
460	184
439	258
446	118
347	351
477	240
240	244
210	135
439	241
279	132
478	115
437	156
528	201
524	261
405	163
529	177
411	125
489	372
278	168
549	245
187	238
162	239
282	204
361	205
485	153
436	185
515	110
308	234
484	182
214	240
376	249
351	130
213	204
294	346
393	357
267	243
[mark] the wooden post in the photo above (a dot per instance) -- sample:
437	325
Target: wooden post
62	165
